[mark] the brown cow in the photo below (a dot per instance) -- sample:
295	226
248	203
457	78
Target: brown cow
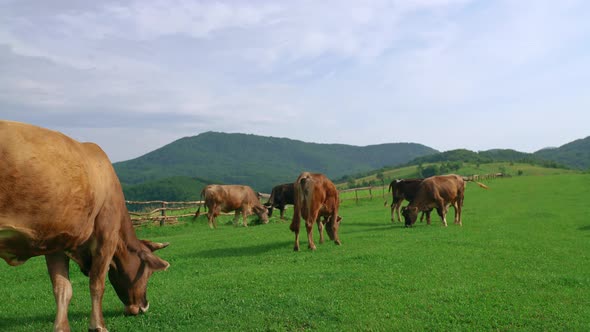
438	192
315	197
227	198
62	199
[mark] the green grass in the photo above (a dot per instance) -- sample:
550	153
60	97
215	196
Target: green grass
520	262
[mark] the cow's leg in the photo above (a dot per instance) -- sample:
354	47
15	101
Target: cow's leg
427	213
459	212
442	211
59	272
335	224
282	209
309	227
295	225
236	217
395	209
102	254
321	229
245	216
398	207
211	218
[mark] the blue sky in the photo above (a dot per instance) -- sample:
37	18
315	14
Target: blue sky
133	76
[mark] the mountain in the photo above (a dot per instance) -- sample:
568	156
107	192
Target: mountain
575	154
260	161
483	157
488	156
172	189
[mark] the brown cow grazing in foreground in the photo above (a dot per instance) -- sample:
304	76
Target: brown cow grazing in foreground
62	199
438	192
315	197
227	198
404	189
280	196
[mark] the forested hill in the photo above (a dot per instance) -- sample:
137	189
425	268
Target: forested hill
259	161
575	154
489	156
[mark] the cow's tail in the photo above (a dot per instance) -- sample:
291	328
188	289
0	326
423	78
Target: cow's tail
307	184
198	213
467	179
271	199
390	189
303	191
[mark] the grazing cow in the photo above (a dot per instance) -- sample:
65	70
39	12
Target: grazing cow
438	192
280	196
227	198
62	199
404	189
315	196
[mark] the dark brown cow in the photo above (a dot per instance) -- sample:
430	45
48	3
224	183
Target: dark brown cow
315	197
280	196
62	199
404	189
227	198
438	192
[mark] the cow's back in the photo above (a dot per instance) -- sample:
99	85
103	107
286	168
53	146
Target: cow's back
230	197
407	188
447	187
51	187
314	191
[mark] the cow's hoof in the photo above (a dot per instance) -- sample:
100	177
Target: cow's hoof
338	242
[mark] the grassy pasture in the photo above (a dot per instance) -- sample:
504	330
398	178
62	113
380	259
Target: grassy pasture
468	169
520	262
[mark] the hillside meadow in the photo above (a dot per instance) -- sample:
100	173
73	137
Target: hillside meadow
520	262
467	168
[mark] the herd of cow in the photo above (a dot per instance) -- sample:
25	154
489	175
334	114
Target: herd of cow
62	199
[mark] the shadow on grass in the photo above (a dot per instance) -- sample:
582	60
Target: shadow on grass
584	228
244	251
11	322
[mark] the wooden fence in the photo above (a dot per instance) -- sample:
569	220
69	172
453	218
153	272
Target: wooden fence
159	211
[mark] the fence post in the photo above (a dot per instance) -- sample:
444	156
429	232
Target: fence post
163	214
371	192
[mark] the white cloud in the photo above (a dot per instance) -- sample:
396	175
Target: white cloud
313	70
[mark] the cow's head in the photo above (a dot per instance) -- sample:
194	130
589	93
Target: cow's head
262	213
331	228
270	208
410	214
129	274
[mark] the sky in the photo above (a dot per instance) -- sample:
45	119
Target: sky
133	76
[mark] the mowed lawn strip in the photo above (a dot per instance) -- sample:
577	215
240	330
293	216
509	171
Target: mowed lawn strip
520	262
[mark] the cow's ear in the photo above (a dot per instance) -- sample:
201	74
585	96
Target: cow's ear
153	261
153	246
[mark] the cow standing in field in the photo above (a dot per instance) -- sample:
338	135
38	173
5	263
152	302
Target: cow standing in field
227	198
404	189
62	199
280	196
315	196
438	192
